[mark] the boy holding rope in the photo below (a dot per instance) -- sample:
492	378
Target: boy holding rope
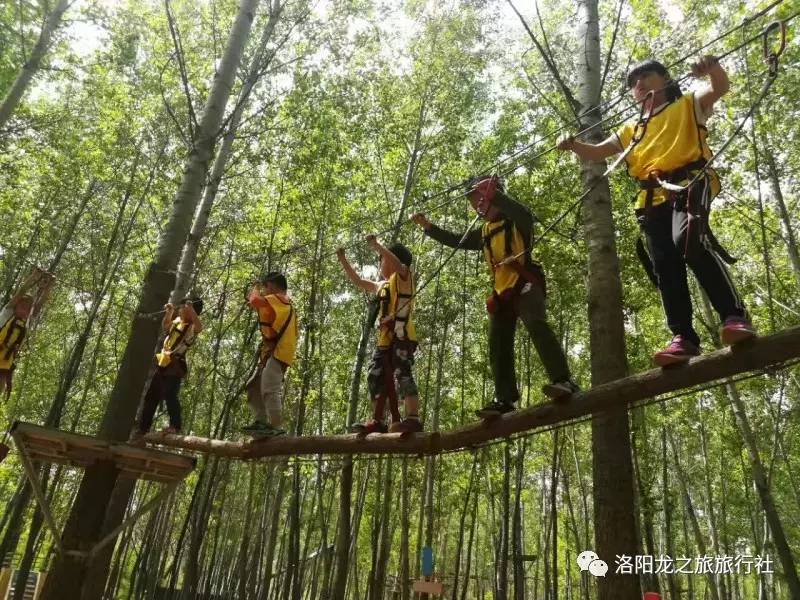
519	290
672	206
277	321
390	372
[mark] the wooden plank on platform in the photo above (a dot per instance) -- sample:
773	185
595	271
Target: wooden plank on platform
48	445
755	355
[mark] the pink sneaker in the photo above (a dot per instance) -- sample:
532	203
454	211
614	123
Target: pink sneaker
679	351
171	430
737	329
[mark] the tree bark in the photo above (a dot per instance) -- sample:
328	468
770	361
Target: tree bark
189	255
786	221
28	70
614	506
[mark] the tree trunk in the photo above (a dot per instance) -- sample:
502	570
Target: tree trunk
666	501
614	507
86	520
462	523
501	562
786	220
699	539
712	516
28	70
257	66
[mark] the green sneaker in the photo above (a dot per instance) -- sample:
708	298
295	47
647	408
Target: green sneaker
267	431
254	426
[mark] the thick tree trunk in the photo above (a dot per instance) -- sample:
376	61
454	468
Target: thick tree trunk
28	70
86	520
614	507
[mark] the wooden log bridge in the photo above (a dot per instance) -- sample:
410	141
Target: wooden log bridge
755	355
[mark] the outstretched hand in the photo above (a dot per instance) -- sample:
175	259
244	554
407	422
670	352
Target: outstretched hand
421	220
340	253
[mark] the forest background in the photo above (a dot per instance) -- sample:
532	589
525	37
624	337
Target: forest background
344	118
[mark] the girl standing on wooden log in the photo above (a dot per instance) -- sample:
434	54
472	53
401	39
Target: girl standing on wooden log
674	201
171	366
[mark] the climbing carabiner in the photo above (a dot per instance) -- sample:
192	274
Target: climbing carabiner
641	124
770	54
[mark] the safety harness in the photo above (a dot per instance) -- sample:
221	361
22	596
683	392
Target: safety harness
269	344
13	334
389	316
531	272
682	199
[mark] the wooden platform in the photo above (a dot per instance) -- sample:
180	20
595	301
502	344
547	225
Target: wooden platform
53	446
756	355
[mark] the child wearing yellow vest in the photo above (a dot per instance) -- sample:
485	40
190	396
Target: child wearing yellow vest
171	366
518	290
277	322
14	319
675	224
390	370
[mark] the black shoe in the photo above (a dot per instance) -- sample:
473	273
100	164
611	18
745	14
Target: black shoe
561	390
495	409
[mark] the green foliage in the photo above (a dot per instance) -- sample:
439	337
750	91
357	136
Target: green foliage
356	96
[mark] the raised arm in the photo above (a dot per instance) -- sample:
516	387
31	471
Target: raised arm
593	152
719	84
48	280
473	240
169	313
365	284
388	256
196	322
30	281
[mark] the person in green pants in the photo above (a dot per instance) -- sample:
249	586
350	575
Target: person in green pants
518	291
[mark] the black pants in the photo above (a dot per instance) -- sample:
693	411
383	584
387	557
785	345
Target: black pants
165	385
530	307
676	237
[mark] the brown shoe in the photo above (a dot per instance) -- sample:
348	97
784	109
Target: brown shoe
408	425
